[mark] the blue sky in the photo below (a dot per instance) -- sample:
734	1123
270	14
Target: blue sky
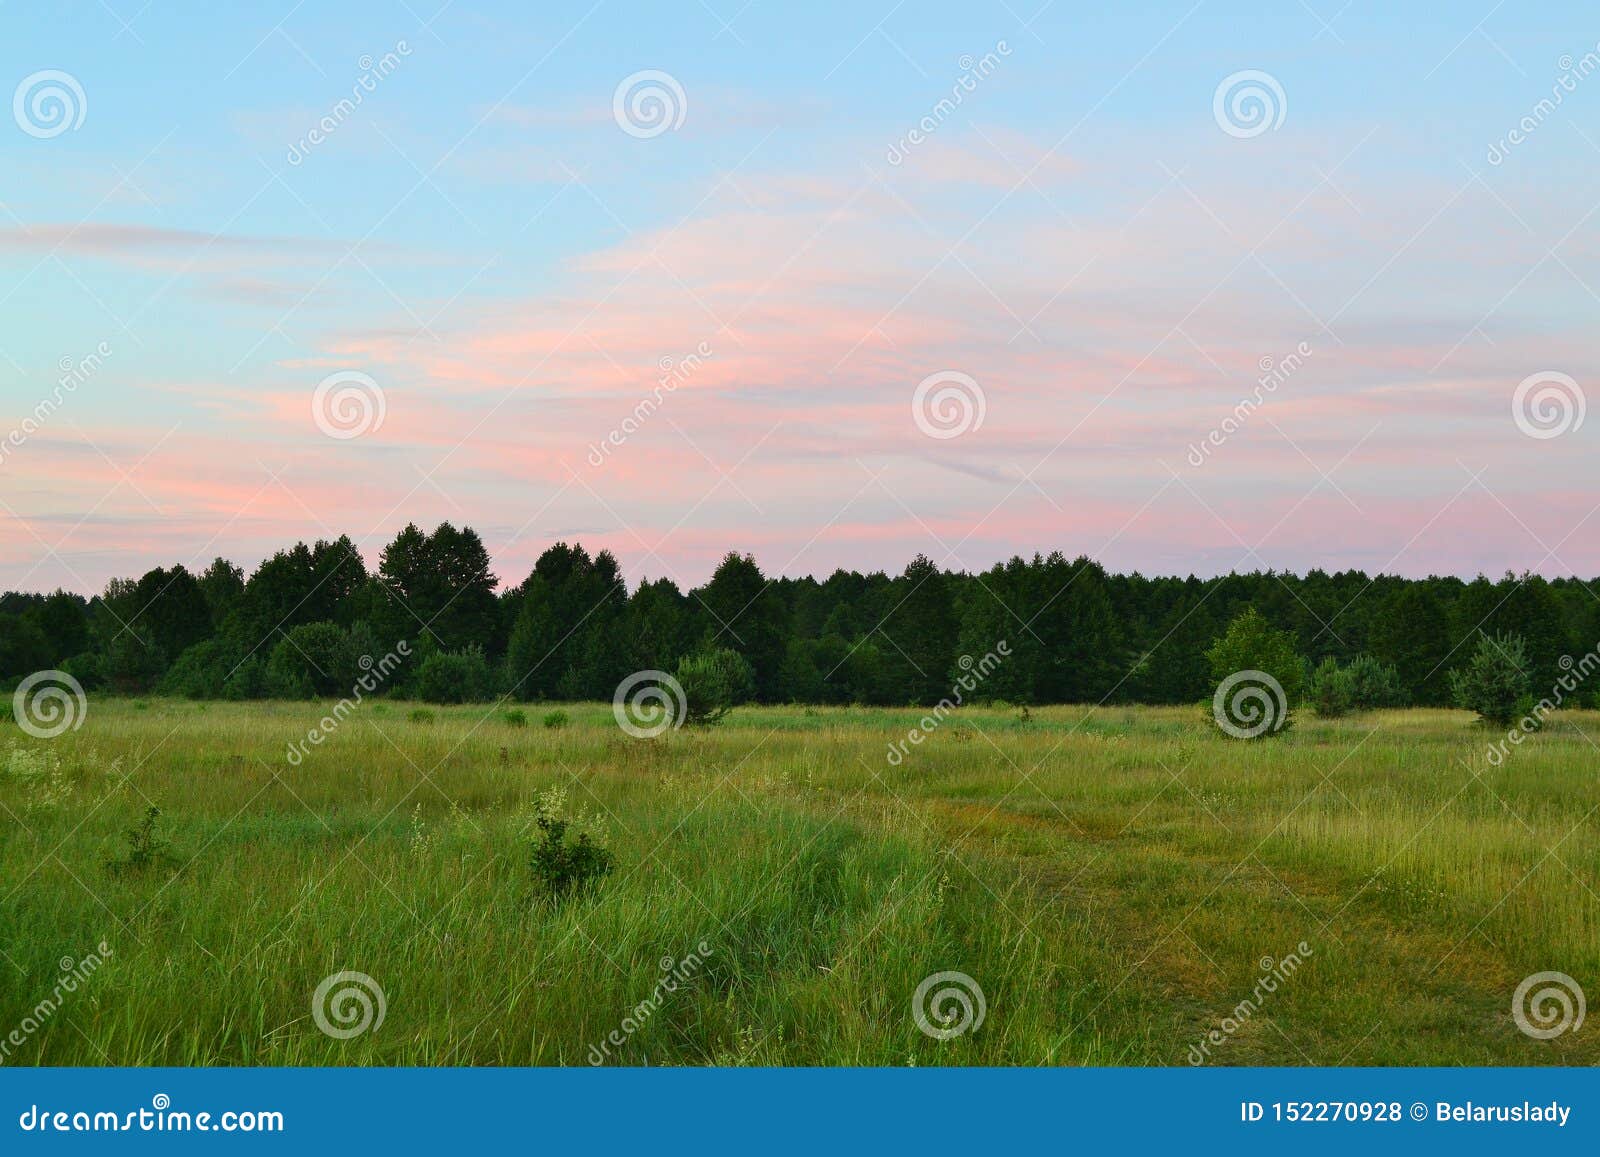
1081	238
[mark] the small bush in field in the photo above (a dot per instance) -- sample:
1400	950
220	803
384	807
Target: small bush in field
516	717
456	677
1363	684
1495	681
714	682
146	848
420	715
562	867
555	720
1330	689
1374	684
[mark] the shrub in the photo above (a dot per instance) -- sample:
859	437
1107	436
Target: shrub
1330	689
1373	684
1495	681
199	673
456	677
309	662
516	717
559	867
1251	644
555	720
146	848
1247	706
420	715
714	682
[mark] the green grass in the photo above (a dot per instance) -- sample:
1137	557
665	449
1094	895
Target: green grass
1110	879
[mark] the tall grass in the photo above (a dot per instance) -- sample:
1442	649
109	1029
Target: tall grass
1112	880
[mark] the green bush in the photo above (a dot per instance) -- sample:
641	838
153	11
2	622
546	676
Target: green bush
420	715
200	671
456	677
1259	677
714	682
1495	681
561	868
515	717
1329	689
147	848
1373	685
555	720
311	661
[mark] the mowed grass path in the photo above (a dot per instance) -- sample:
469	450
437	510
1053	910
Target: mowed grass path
1112	879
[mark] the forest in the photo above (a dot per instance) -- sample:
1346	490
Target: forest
311	619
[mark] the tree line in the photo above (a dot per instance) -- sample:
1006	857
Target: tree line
311	619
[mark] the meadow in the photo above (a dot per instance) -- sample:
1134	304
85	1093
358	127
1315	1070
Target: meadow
1116	881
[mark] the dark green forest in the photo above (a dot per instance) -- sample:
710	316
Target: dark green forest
311	619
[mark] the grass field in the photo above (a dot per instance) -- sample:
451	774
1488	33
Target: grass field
1112	880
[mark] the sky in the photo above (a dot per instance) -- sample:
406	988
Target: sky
1187	288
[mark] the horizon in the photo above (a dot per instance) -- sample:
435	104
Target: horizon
1212	288
505	582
